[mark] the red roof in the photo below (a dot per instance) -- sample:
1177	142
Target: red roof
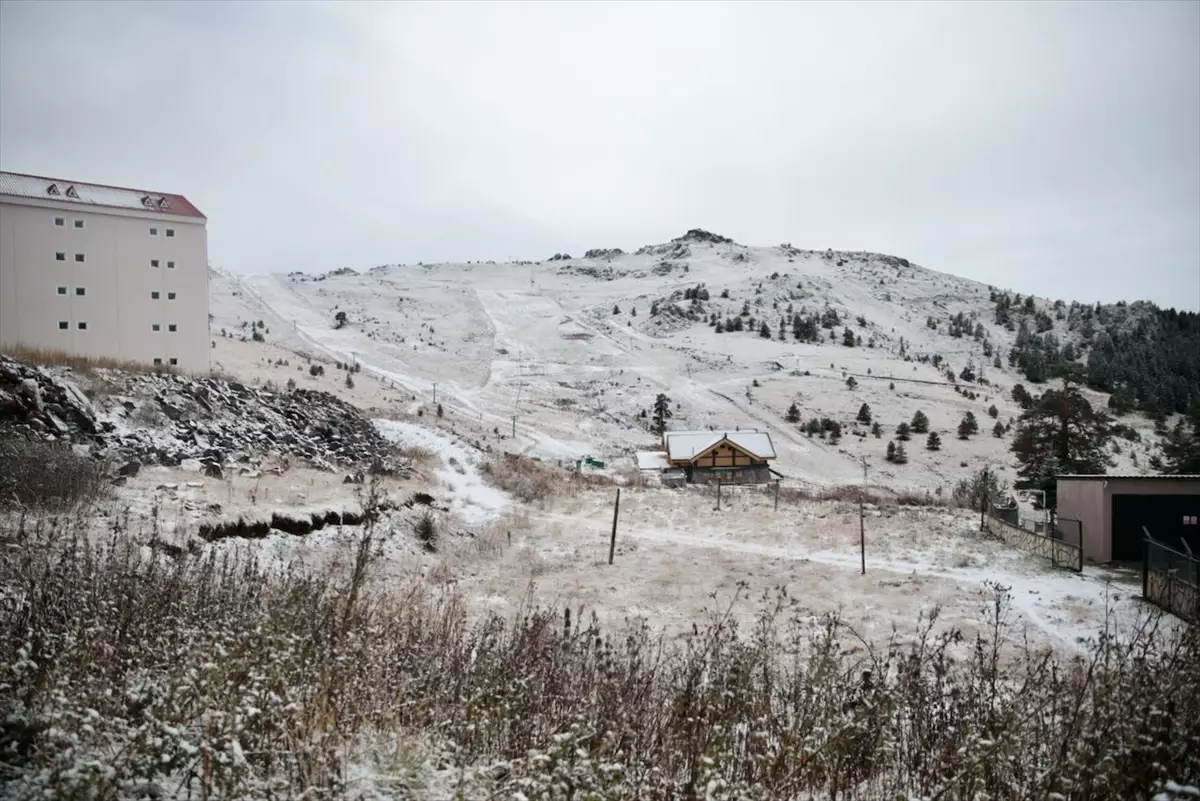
121	197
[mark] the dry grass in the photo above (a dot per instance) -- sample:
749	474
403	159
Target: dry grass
531	481
141	676
417	455
81	364
850	493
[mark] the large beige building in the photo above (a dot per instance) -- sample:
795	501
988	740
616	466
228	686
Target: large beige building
103	271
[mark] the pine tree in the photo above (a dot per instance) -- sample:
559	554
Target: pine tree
1060	434
864	414
891	451
968	426
1181	449
876	430
662	413
998	430
934	442
901	455
851	383
764	331
902	432
616	309
848	338
993	412
440	411
793	414
920	423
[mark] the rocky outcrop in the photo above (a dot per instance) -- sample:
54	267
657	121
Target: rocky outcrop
168	419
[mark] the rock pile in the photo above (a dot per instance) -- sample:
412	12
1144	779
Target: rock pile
167	419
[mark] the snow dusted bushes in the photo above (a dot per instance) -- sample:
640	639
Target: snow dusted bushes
130	675
530	481
35	474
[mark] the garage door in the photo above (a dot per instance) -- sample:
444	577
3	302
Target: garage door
1162	515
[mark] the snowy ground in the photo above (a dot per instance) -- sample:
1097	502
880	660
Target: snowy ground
540	343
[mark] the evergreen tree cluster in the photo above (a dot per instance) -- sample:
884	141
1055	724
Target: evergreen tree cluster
1148	358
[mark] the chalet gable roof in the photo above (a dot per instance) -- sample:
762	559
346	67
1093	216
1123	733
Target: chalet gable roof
687	445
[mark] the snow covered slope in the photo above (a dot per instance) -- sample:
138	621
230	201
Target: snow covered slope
571	350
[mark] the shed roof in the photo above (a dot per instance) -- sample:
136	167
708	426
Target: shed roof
61	190
1127	477
688	444
652	460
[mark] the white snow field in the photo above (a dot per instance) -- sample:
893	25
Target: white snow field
539	342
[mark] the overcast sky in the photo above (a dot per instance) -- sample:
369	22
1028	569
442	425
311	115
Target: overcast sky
1041	147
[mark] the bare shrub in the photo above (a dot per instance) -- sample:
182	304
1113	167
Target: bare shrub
418	455
201	677
531	481
46	476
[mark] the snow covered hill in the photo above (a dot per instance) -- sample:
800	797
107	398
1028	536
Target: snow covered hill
576	349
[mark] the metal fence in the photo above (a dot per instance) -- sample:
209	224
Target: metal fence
1062	544
1171	579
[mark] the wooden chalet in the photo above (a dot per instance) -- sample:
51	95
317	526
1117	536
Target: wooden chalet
699	457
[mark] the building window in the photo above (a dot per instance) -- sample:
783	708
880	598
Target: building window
170	265
153	232
158	362
59	222
62	290
154	296
171	327
81	326
156	327
173	361
79	257
63	325
60	256
154	262
170	232
79	223
80	291
170	296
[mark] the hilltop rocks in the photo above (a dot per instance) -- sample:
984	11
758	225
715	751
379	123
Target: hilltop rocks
700	235
167	419
603	253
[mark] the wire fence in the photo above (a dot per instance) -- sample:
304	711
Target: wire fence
1171	579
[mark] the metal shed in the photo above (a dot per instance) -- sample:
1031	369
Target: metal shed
1113	510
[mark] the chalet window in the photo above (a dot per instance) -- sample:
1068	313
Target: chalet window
153	232
158	362
170	232
174	361
155	327
170	296
82	326
60	256
80	291
59	222
172	327
79	257
52	189
170	265
71	192
62	290
63	325
79	223
154	295
154	262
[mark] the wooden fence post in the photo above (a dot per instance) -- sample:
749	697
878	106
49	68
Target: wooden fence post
776	495
612	542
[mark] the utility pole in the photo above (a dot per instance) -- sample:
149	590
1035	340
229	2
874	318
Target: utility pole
862	528
514	427
984	501
435	392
